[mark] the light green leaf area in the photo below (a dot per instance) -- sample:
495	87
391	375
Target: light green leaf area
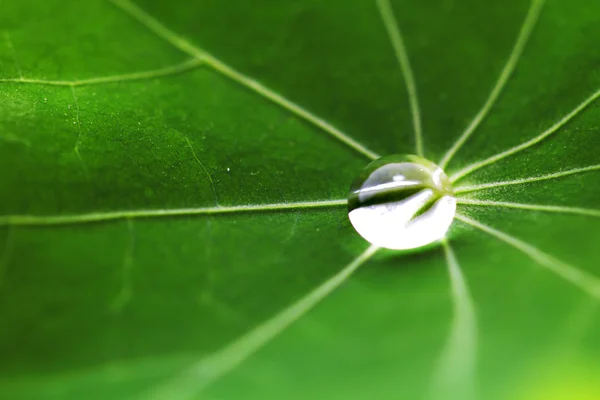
174	175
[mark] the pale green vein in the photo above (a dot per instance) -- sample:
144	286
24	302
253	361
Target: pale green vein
124	295
202	374
395	35
490	185
10	137
44	220
523	37
76	147
135	76
6	255
210	179
457	366
288	105
78	141
112	372
225	312
535	207
11	47
169	36
531	142
585	281
293	229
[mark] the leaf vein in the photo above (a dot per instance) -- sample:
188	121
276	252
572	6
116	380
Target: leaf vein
11	47
46	220
457	365
395	36
507	71
126	292
169	36
525	145
134	76
484	186
534	207
207	370
580	278
212	183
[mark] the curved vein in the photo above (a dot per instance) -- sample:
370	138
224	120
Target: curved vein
395	35
582	279
79	133
11	47
457	366
169	36
202	374
525	32
535	207
210	179
484	186
76	103
134	76
124	296
45	220
531	142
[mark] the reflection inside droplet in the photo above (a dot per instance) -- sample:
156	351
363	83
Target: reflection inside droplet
401	202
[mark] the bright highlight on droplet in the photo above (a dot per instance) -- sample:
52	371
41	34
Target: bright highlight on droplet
401	202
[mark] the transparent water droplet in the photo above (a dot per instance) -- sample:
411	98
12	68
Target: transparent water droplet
401	202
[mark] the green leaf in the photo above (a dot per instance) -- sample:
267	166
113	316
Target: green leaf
174	174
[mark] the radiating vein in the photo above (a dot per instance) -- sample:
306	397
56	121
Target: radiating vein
166	34
580	278
395	35
9	43
531	142
44	220
124	295
490	185
535	207
12	138
509	67
135	76
199	376
209	176
457	366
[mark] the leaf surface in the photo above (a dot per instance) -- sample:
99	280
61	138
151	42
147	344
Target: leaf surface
131	135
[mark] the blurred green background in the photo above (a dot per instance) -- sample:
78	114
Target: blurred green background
124	308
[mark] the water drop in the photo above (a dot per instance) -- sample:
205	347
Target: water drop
401	202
